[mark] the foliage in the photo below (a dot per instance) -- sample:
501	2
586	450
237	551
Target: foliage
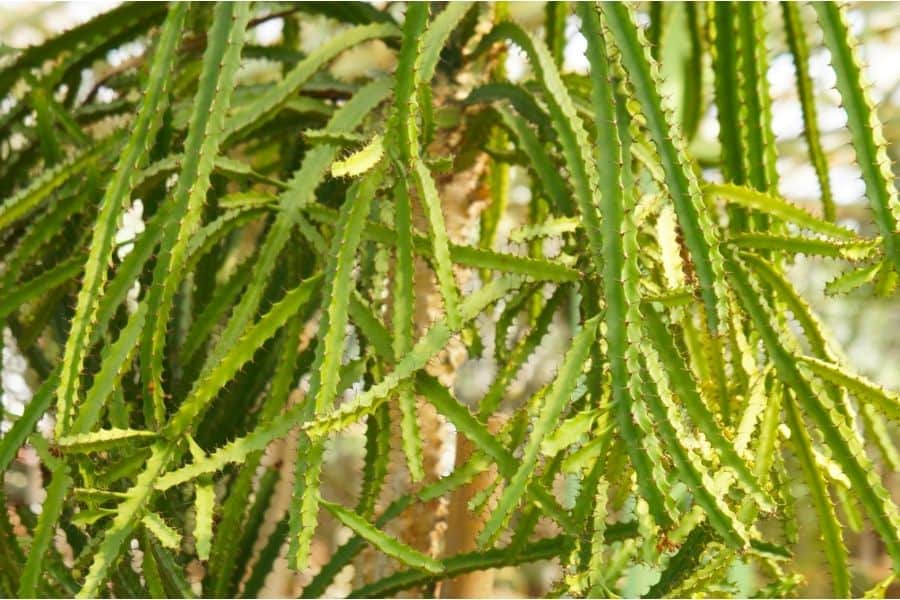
292	217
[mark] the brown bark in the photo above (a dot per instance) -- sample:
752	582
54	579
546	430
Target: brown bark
463	527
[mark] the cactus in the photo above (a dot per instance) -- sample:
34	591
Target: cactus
320	254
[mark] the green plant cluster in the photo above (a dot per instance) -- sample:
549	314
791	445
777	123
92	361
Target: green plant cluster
304	203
